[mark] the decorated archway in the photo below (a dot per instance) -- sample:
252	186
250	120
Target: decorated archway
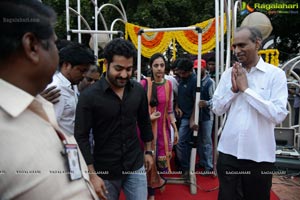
153	42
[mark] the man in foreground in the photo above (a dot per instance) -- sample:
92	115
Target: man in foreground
113	107
33	149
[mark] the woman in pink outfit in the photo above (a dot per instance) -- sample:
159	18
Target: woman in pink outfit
160	98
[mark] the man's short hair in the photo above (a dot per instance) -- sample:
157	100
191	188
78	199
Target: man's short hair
211	59
94	68
119	47
18	17
185	64
76	54
61	43
174	65
254	32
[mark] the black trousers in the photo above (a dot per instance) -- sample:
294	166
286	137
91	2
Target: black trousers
296	118
241	179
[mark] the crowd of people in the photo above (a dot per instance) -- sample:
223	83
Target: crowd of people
69	131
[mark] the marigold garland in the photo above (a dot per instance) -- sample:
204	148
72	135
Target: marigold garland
152	42
159	41
271	56
189	39
101	63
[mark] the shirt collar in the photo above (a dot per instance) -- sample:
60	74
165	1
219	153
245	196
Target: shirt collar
14	100
64	80
188	78
205	77
261	65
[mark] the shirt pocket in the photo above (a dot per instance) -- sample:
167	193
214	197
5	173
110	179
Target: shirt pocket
265	93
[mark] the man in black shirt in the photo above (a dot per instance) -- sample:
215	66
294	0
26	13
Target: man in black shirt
112	108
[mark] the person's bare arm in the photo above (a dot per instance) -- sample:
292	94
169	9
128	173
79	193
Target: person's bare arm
148	159
97	182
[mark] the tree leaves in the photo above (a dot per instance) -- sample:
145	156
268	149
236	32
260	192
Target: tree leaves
176	13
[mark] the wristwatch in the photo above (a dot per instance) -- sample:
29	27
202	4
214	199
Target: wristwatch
150	152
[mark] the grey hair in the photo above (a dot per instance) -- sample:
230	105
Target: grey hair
254	32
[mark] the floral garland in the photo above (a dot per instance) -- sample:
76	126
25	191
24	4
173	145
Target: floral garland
101	63
159	41
189	39
152	42
271	56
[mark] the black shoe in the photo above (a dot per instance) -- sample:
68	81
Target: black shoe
199	166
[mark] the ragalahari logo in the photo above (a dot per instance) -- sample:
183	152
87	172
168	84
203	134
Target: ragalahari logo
246	8
270	8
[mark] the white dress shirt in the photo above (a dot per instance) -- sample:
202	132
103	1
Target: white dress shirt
66	107
32	166
174	83
252	115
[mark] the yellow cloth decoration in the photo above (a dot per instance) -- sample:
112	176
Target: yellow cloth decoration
154	42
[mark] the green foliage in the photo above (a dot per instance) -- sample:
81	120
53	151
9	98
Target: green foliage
166	13
87	11
175	13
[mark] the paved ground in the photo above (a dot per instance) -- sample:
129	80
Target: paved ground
286	187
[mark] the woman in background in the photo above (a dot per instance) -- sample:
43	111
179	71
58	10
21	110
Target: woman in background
160	98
